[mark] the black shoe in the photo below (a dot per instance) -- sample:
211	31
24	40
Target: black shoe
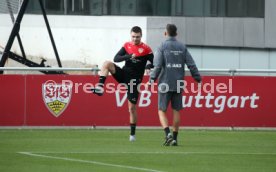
174	143
98	91
168	140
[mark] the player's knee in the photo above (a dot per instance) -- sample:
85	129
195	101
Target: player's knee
176	122
132	109
107	64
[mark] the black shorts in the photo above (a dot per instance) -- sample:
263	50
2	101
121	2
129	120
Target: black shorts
122	76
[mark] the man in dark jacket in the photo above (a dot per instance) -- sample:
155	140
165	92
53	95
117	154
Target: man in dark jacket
169	68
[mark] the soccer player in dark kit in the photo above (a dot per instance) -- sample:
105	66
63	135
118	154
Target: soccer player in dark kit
137	57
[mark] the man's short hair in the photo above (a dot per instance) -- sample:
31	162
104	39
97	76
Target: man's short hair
136	29
171	30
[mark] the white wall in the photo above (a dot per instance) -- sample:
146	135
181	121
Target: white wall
232	58
83	38
94	39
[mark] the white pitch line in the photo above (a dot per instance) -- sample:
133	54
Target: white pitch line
166	153
88	162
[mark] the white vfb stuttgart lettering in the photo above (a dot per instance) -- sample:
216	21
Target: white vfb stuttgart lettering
144	100
218	104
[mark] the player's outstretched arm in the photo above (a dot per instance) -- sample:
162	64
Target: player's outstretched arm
122	55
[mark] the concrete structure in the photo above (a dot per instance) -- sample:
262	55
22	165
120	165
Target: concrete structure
215	42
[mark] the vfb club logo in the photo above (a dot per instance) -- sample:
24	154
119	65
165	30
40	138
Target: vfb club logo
56	96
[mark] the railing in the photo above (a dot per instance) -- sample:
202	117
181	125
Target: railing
46	69
231	72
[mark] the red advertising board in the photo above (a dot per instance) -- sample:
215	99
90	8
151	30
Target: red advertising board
12	100
65	100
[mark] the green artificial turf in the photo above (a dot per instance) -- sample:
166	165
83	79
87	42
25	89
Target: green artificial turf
66	150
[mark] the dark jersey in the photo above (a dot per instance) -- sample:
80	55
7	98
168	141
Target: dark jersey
135	68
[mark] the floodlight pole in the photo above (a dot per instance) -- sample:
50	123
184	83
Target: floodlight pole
14	32
50	32
18	35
